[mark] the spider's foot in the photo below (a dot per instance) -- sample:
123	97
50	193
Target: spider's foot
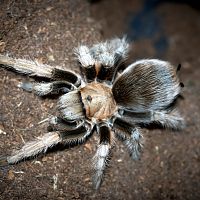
97	180
27	86
135	145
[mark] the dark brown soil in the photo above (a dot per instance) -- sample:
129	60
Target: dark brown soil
48	31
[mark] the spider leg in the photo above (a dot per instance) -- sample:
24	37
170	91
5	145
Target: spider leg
76	134
130	135
59	124
36	69
101	158
39	145
43	89
110	54
102	60
166	118
87	63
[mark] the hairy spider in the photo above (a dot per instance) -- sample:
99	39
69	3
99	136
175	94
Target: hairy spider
113	104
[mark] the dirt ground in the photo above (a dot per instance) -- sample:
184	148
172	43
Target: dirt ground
47	31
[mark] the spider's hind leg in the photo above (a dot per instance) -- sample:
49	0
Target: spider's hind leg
78	132
39	145
169	119
101	158
166	118
130	135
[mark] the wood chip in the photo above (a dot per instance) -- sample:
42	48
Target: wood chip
11	175
2	46
88	146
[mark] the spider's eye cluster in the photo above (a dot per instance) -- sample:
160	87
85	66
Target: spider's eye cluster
89	98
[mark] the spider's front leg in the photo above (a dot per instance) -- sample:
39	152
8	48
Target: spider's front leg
130	136
101	61
68	134
101	158
43	89
35	69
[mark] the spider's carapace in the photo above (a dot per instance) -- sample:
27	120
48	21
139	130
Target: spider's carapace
98	101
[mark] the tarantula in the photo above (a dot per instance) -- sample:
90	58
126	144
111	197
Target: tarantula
114	104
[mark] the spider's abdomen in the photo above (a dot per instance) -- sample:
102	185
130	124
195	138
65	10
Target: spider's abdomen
146	85
98	101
